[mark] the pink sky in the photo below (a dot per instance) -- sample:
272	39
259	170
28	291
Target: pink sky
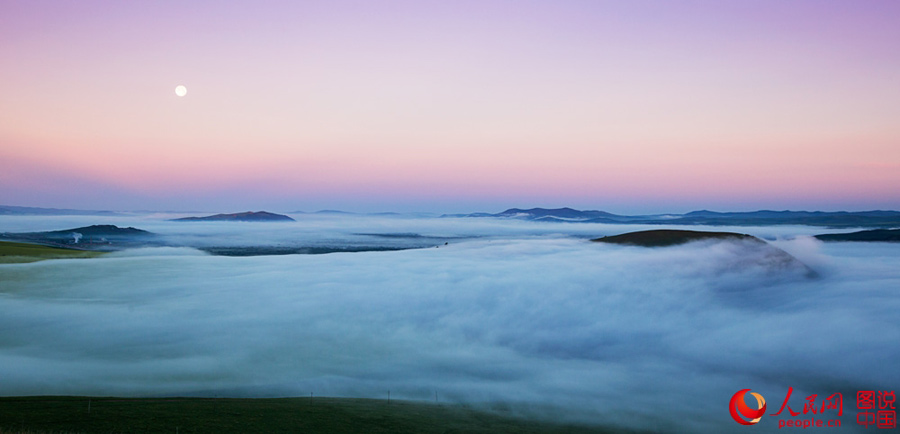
644	106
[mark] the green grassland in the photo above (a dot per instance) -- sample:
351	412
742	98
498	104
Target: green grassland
46	414
11	253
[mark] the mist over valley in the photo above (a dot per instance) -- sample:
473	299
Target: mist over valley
530	314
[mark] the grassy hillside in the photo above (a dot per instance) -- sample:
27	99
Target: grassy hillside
199	415
22	252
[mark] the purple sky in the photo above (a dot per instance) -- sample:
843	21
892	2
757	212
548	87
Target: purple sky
630	107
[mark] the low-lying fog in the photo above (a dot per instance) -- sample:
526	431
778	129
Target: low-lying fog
528	314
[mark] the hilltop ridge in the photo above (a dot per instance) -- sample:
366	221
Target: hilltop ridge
875	218
248	216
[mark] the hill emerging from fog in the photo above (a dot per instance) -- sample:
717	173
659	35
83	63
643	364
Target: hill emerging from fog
101	231
748	250
249	216
883	235
880	219
94	237
668	237
107	238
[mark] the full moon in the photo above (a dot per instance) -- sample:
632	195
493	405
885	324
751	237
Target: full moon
180	90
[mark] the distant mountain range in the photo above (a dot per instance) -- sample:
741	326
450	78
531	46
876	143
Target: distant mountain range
28	210
838	219
110	238
249	216
559	214
386	213
704	217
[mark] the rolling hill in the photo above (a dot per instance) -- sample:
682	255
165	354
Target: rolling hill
883	235
879	219
668	237
747	250
249	216
94	237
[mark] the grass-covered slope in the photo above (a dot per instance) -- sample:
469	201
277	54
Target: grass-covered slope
282	415
21	252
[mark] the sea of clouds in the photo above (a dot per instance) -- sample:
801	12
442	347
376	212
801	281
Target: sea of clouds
530	316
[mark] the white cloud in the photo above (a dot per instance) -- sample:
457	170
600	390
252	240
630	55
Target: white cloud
555	324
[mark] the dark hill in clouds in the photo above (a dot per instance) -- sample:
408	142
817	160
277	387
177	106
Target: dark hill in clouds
809	218
558	213
704	217
28	210
102	231
667	237
887	235
249	216
94	237
750	251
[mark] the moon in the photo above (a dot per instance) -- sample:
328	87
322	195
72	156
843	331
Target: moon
180	90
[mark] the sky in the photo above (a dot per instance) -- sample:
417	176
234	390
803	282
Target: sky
546	324
628	107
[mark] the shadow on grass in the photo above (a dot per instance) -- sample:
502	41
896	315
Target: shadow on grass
65	415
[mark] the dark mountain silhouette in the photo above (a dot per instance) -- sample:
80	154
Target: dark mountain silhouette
667	237
752	251
249	216
556	214
890	235
95	237
809	218
704	217
333	211
102	231
29	210
560	213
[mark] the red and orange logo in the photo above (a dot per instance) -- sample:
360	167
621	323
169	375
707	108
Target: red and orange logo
739	408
